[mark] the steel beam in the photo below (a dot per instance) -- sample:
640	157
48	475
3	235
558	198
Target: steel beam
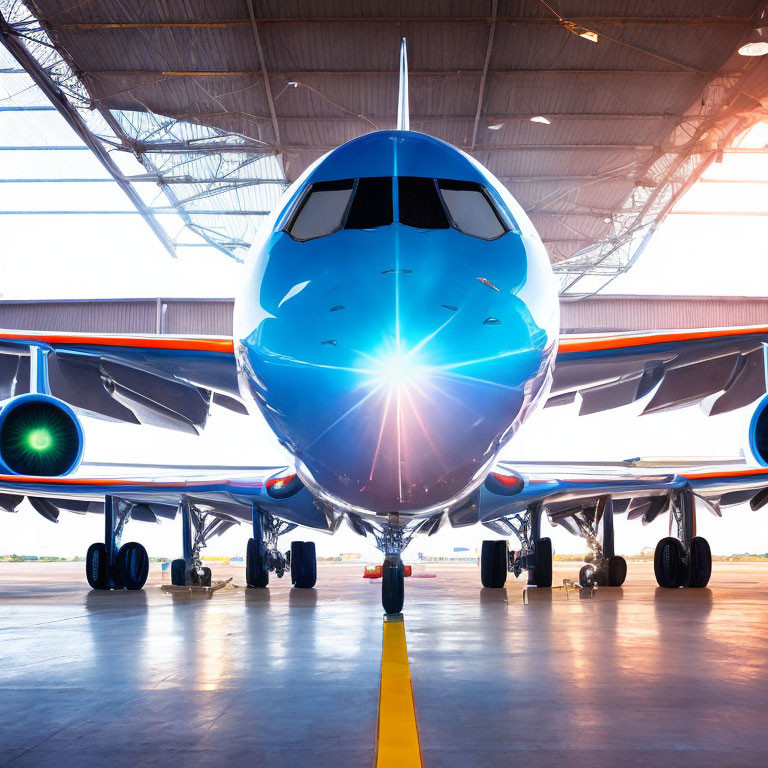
155	212
633	21
262	64
484	75
381	72
54	94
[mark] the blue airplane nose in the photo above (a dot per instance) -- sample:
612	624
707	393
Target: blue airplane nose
395	363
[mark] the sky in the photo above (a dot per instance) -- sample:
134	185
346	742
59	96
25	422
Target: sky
117	256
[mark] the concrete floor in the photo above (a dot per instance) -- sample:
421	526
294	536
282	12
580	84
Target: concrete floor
637	676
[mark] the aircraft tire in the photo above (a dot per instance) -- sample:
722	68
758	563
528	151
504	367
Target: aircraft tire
303	564
393	585
587	576
701	562
97	566
133	565
669	564
617	571
493	563
256	564
179	573
542	567
203	580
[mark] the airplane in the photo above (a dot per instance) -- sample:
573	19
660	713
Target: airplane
398	323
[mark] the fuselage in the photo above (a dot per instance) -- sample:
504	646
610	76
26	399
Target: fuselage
398	323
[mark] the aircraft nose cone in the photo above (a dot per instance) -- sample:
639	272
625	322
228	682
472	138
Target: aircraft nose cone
394	373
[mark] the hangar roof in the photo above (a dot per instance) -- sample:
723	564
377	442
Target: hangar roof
633	118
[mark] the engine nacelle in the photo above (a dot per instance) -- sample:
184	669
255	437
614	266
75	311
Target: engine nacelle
40	435
758	433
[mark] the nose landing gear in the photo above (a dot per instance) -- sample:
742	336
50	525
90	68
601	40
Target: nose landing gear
393	585
391	539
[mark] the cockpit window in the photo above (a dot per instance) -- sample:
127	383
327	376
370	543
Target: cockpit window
423	203
372	204
323	209
470	209
420	204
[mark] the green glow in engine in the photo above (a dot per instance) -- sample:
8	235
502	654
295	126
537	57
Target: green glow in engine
40	440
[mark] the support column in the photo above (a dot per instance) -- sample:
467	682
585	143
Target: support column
605	512
38	370
111	537
687	517
535	516
257	521
186	535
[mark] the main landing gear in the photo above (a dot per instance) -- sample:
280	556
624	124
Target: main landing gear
263	556
189	570
109	565
534	556
684	560
604	568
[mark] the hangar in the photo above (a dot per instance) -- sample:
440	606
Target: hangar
580	128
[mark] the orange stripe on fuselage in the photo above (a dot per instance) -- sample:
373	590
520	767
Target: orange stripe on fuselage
595	342
186	343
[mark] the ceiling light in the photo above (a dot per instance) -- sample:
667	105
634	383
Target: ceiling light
540	119
755	43
496	127
587	34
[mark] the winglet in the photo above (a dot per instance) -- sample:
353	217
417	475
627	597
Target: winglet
403	115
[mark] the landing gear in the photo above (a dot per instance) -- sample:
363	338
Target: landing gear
391	539
670	564
604	567
612	574
97	566
303	564
684	560
196	527
534	556
393	585
110	566
263	555
701	562
132	565
256	564
494	563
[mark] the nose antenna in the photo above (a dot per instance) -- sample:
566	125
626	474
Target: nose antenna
403	114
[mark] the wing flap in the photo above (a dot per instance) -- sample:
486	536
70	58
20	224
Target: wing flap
684	367
163	381
77	380
690	384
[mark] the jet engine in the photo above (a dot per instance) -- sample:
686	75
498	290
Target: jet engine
39	435
758	433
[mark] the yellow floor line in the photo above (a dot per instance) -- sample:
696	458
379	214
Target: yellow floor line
397	738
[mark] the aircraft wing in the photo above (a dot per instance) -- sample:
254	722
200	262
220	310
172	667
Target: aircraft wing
724	366
164	381
641	493
155	492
